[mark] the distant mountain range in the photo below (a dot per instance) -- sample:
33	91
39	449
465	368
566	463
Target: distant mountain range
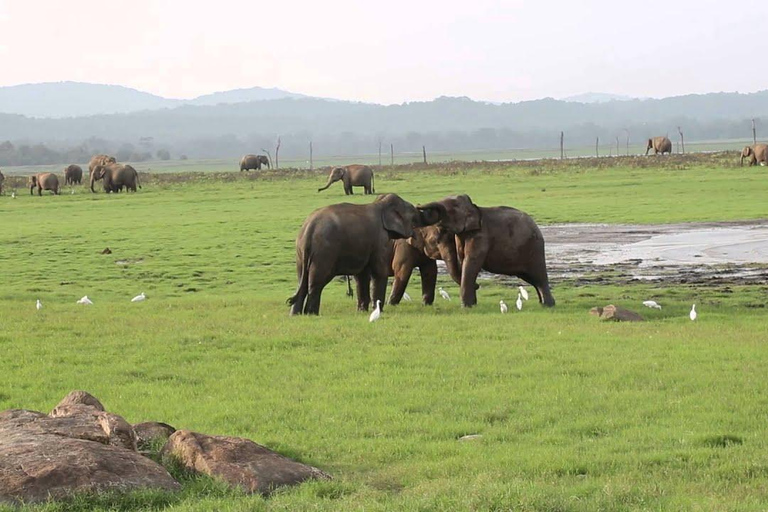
597	97
77	99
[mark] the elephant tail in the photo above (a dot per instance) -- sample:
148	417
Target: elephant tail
137	178
373	186
301	292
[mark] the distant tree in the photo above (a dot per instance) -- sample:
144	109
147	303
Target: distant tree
163	154
125	152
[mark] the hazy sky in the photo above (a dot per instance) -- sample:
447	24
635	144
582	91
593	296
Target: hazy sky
392	51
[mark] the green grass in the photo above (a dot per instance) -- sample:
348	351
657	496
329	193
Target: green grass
575	414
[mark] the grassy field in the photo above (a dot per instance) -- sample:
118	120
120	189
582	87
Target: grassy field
575	415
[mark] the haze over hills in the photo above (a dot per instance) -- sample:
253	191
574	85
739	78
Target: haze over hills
76	99
597	97
348	128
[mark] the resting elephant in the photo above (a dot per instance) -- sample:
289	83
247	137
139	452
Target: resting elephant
757	154
500	240
43	181
73	174
659	145
351	176
115	177
352	239
422	250
99	160
253	162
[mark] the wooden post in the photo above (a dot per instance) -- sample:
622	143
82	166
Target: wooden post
617	145
754	133
597	146
424	152
379	152
562	151
627	142
682	139
277	153
392	154
311	163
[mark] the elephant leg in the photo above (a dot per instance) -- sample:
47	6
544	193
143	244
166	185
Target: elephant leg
380	287
428	273
363	285
40	191
470	269
541	284
317	281
400	283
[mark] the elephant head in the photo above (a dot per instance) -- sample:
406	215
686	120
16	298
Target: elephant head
649	146
455	214
32	183
97	174
399	217
748	152
337	173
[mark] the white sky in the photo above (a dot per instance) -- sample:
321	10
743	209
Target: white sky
391	51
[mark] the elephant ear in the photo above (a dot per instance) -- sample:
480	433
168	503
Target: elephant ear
417	240
473	217
395	216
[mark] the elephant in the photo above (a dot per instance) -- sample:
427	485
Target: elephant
500	240
2	179
352	239
659	145
73	174
757	154
253	162
43	181
116	176
352	176
427	245
99	160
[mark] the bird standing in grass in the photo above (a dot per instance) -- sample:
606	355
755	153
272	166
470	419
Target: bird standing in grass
376	314
85	300
13	195
406	297
693	314
503	307
523	292
140	297
651	304
39	305
519	302
444	294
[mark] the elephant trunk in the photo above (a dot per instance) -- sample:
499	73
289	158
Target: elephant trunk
431	213
331	181
741	163
93	179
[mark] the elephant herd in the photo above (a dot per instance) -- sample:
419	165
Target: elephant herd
391	237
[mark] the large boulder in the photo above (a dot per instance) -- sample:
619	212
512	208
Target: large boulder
45	458
615	313
237	461
111	428
78	398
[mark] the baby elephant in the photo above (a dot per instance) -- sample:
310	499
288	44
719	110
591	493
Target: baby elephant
44	181
352	176
73	174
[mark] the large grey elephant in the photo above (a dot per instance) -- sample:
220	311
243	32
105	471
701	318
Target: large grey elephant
73	174
500	240
352	176
659	145
99	160
757	154
253	162
352	239
115	177
43	181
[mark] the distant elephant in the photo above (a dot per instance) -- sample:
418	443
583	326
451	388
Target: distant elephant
253	162
422	250
115	177
757	154
352	176
43	181
2	179
73	174
659	145
352	239
500	240
99	160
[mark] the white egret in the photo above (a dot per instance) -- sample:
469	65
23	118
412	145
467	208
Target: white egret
693	314
85	300
13	195
376	314
139	297
444	294
651	304
519	302
39	305
503	307
406	297
523	292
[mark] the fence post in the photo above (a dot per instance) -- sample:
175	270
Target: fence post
311	163
392	154
562	151
424	151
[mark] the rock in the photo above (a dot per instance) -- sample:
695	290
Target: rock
615	313
239	462
79	398
43	457
107	251
151	430
110	428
